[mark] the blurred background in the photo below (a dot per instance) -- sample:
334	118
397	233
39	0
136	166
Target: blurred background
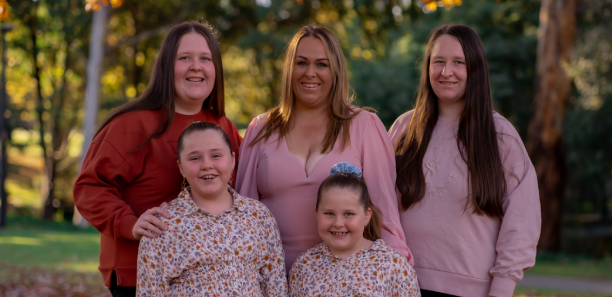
70	62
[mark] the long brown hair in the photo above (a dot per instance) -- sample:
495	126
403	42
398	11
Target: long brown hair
373	230
476	138
159	94
340	110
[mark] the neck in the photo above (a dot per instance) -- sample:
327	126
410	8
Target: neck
310	116
215	204
187	110
345	254
450	111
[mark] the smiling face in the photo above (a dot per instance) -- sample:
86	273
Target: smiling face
206	161
194	73
447	71
312	77
341	220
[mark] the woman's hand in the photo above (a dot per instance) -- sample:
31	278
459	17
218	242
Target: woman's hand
150	226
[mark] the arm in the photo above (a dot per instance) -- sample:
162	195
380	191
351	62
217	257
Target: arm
150	273
98	191
379	173
295	278
406	278
520	226
246	177
274	281
98	196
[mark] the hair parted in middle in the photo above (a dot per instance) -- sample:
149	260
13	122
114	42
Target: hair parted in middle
476	138
341	112
159	93
349	181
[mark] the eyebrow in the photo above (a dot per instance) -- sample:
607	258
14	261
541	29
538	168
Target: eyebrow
456	57
319	59
189	52
197	152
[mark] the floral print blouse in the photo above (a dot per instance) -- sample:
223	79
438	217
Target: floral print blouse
237	253
377	271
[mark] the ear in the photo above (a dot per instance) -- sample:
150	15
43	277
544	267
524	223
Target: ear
233	160
178	163
368	216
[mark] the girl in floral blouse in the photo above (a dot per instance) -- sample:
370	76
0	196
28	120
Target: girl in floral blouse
218	243
352	260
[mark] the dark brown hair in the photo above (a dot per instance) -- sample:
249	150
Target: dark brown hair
351	182
476	138
159	94
340	110
201	126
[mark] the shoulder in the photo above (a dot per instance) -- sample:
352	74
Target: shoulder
309	256
365	119
133	121
503	126
510	143
398	126
254	207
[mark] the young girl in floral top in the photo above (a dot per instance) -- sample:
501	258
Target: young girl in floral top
352	260
218	243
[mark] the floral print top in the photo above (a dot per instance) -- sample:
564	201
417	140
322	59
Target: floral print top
376	271
237	253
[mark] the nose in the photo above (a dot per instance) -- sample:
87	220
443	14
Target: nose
310	72
447	70
195	65
206	164
338	222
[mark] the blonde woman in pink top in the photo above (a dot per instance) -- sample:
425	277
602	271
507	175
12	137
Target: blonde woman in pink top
289	151
469	198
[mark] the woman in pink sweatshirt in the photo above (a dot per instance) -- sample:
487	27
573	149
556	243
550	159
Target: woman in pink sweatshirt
289	151
469	198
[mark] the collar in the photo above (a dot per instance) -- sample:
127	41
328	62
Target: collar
187	207
323	249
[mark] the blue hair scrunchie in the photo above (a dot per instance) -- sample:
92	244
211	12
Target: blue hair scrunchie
344	167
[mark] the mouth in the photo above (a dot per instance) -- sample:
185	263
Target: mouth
338	233
310	85
195	79
208	177
448	83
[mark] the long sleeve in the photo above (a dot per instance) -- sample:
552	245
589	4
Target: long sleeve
520	226
150	273
99	188
379	173
246	177
274	282
295	279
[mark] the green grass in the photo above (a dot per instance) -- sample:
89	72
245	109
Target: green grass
572	266
31	242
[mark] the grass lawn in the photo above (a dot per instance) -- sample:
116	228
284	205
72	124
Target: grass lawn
49	244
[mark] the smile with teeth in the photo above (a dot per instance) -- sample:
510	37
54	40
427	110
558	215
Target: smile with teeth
195	79
339	233
447	82
312	86
210	176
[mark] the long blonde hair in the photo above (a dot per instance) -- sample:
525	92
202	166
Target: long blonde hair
341	112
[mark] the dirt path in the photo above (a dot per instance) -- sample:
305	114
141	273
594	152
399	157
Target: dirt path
567	283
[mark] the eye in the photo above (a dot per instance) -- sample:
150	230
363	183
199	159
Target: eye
329	213
194	158
206	59
438	62
184	58
215	156
460	62
348	214
322	65
301	63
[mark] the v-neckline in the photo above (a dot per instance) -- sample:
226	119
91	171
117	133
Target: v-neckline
302	164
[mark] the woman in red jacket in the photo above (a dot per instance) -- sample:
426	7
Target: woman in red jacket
130	167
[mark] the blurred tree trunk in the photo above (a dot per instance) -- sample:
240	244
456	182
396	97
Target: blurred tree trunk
545	137
94	65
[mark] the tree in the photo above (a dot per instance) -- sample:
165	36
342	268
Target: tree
545	137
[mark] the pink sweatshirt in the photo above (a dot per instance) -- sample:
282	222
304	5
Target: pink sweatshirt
269	171
458	252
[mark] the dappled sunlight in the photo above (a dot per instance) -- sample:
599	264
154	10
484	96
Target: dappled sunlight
20	240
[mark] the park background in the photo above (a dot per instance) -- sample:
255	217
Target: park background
70	62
